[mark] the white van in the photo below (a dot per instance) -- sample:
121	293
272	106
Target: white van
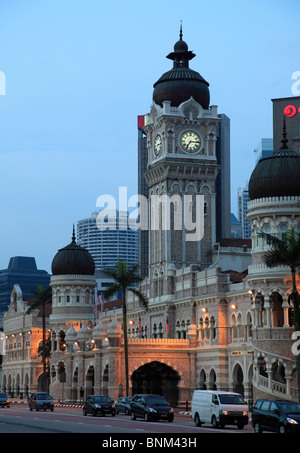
219	408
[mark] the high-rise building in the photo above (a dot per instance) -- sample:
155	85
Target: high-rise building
109	245
264	148
142	190
22	270
243	198
287	109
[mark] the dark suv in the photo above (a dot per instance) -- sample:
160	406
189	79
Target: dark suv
276	415
151	407
99	404
40	401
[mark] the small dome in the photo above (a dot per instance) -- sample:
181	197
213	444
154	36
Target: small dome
276	175
84	333
71	334
73	260
99	331
181	46
114	327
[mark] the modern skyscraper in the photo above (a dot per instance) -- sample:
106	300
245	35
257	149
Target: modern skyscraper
264	148
110	245
288	109
142	190
243	198
22	270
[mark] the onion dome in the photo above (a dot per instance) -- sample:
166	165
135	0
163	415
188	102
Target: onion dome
73	259
71	334
181	83
114	327
84	333
276	175
99	331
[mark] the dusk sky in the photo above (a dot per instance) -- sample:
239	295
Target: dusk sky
78	73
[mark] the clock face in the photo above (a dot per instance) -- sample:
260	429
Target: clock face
190	141
157	145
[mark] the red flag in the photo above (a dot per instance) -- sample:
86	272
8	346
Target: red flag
167	324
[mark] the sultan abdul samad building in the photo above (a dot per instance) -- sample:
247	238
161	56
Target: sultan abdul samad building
218	318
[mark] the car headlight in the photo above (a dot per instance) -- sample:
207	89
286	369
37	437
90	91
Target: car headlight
97	405
225	412
152	410
245	413
292	421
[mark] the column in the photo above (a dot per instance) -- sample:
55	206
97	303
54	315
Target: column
268	313
285	307
269	372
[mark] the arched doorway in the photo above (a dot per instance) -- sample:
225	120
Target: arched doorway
157	378
105	381
90	381
238	380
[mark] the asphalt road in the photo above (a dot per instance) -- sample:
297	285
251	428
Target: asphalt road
18	419
87	433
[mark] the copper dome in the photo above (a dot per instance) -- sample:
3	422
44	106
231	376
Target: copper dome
73	260
277	175
181	83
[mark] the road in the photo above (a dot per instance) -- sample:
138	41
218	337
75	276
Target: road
18	419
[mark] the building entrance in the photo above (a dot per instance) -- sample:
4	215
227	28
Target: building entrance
157	378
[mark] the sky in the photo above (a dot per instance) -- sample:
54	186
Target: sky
74	76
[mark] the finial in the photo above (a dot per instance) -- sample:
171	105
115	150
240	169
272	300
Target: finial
180	34
284	140
73	236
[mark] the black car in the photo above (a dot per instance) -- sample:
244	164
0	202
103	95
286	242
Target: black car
4	400
151	407
40	401
276	415
123	405
99	404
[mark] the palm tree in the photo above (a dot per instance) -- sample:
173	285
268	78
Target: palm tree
286	252
43	296
124	280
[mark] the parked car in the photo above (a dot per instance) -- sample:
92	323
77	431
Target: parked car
123	405
40	401
151	407
99	404
4	400
276	415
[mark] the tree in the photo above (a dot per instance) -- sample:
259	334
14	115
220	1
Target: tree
42	296
286	252
124	280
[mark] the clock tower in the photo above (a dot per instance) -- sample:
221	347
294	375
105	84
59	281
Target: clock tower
181	133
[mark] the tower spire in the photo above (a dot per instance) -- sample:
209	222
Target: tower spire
284	140
73	235
180	33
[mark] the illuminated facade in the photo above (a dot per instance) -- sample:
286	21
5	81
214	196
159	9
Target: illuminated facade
217	317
